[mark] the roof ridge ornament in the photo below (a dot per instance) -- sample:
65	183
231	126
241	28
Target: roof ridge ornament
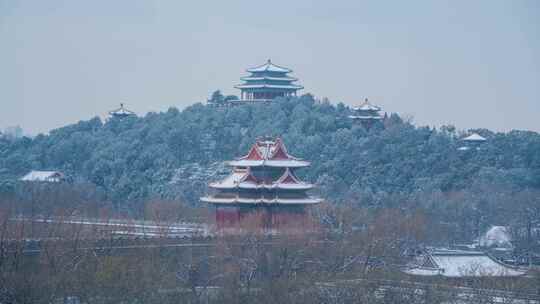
280	151
121	112
366	102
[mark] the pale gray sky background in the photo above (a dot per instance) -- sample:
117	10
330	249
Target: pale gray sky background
469	63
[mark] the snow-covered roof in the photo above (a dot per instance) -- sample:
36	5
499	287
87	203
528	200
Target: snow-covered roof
474	137
269	153
496	236
459	263
269	86
241	200
121	111
367	106
230	181
43	176
255	78
366	111
270	67
291	163
291	186
375	117
244	185
240	178
288	178
264	152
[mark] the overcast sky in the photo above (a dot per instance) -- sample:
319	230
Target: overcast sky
468	63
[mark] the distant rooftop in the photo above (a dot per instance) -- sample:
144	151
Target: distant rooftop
43	176
474	137
367	106
460	263
121	112
269	67
270	153
267	82
366	113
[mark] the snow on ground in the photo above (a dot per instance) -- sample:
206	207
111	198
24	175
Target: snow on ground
132	227
473	265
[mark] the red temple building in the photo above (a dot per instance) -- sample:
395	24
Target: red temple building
267	82
367	114
263	192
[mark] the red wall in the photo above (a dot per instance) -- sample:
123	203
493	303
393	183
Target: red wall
262	218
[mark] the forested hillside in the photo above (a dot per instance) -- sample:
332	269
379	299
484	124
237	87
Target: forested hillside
174	154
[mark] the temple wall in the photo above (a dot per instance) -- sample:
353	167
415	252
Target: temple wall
227	216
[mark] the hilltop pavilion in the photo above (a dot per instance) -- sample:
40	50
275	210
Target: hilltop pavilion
472	141
121	112
263	192
267	82
367	114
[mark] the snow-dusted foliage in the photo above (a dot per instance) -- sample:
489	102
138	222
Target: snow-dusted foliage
173	154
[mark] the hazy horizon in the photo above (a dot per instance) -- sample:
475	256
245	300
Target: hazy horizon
470	64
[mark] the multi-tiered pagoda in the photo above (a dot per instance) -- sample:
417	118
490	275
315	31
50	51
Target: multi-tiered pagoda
367	114
267	82
263	191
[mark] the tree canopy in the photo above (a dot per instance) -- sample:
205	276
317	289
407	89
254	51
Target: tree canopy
173	154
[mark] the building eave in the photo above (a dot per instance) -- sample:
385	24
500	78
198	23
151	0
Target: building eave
260	201
255	78
269	86
279	186
269	163
365	117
